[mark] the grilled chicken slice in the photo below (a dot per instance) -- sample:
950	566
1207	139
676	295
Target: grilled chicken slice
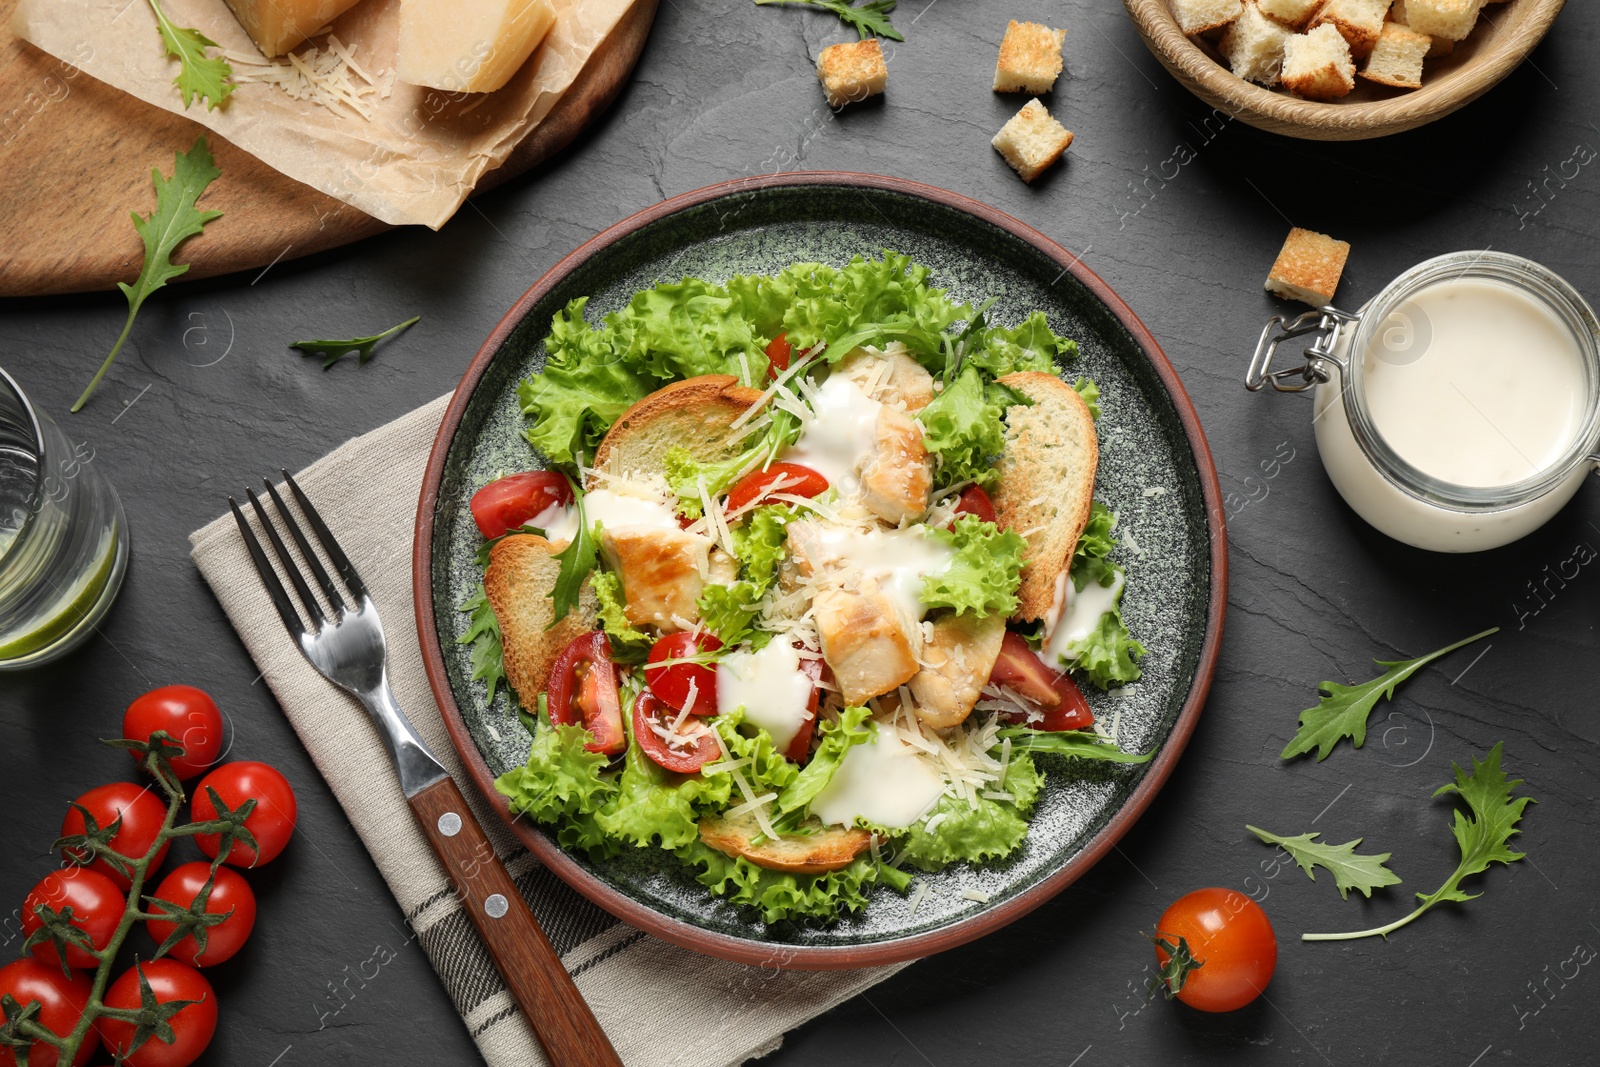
897	477
662	573
816	852
959	659
863	641
901	382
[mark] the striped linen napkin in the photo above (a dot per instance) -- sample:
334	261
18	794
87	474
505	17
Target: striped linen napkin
718	1013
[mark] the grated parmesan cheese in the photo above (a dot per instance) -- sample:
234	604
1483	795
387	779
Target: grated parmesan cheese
330	79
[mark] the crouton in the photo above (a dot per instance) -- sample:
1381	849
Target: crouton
522	571
1253	46
1358	21
1440	46
1031	141
852	71
1308	268
1450	19
1199	16
1030	58
1292	13
1317	64
1397	57
816	850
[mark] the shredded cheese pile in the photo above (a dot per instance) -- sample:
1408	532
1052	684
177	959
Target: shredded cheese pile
330	78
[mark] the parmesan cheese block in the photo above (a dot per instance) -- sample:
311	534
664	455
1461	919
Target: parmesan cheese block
469	48
279	25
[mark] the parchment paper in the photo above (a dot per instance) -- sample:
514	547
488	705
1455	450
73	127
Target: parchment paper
415	161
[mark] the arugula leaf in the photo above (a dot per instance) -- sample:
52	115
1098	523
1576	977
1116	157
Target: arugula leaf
577	560
174	221
1343	710
483	634
869	20
198	74
1082	744
985	573
1483	836
333	351
1350	871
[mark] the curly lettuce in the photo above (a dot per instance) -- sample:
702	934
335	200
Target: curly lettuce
1030	345
652	804
729	611
1108	654
965	430
778	896
629	644
767	771
836	737
562	785
985	573
977	831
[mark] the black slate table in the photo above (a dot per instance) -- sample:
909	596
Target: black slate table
1181	213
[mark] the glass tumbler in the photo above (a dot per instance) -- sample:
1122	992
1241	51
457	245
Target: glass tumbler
63	536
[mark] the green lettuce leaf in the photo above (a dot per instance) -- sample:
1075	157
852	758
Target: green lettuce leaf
985	573
729	611
778	896
1031	345
836	737
768	771
562	785
1108	654
654	804
628	643
582	390
990	830
1091	394
867	302
1096	541
964	430
483	634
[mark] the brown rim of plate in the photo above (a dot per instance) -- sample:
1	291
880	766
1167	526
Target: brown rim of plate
798	957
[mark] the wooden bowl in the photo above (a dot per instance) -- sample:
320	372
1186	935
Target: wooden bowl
1505	34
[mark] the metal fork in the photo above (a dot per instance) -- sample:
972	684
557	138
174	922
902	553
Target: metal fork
349	651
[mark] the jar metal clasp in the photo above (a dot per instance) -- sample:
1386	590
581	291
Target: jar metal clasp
1327	323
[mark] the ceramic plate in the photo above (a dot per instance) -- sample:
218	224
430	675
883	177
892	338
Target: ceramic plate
1155	471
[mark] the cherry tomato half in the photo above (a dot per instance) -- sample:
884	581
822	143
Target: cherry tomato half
974	501
271	823
61	1003
791	478
142	815
800	748
675	683
97	906
1229	936
507	503
192	1025
1056	694
689	749
230	892
778	352
188	715
583	690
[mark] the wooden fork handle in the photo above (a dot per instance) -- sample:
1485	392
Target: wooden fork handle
566	1027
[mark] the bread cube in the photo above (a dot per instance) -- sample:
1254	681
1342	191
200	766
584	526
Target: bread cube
1198	16
1358	21
1030	58
1308	268
1317	64
1440	46
852	71
1397	57
1253	46
1450	19
1032	140
1292	13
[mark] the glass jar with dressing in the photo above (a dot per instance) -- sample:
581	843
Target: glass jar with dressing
1459	409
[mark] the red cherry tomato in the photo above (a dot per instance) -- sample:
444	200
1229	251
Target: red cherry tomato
697	747
800	748
230	892
583	690
192	1026
188	715
778	351
796	480
61	1003
97	906
1056	694
142	815
974	501
506	503
1230	936
271	823
674	683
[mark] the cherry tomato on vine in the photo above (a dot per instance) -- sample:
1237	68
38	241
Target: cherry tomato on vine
188	715
61	1003
230	892
1232	950
507	503
272	821
142	814
674	682
192	1025
778	352
692	747
794	479
583	690
1056	694
974	501
97	907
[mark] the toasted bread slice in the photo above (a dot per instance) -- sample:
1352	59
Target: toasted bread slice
828	849
522	572
695	414
1046	481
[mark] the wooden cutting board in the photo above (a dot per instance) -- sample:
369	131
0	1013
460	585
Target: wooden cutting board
77	156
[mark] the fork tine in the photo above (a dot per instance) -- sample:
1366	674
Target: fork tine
341	562
269	577
317	570
307	598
